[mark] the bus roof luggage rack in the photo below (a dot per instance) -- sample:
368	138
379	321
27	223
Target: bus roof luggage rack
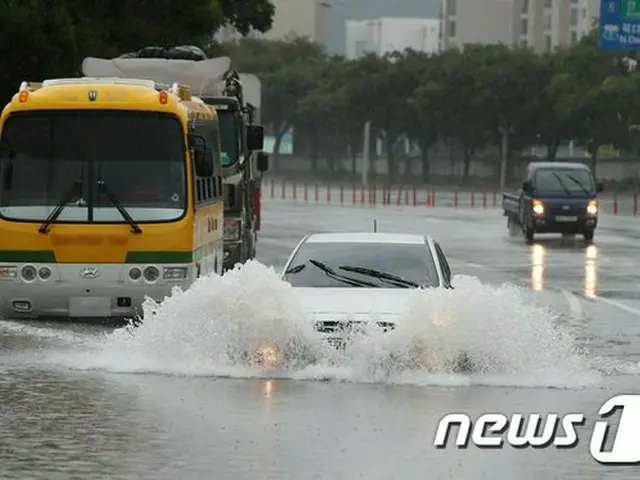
181	91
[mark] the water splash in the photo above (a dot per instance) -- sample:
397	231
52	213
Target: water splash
210	328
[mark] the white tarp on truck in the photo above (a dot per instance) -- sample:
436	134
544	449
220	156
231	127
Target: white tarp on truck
206	77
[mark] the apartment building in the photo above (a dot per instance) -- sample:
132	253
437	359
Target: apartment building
384	35
304	18
540	24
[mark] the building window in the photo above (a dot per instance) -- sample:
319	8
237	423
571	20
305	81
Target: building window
573	19
452	28
547	43
573	35
524	26
525	6
451	7
547	21
548	3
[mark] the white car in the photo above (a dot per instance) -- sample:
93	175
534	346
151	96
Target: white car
346	277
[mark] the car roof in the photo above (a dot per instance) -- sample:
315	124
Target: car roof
366	237
558	165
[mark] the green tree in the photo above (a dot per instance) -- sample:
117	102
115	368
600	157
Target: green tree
248	15
421	125
453	93
38	41
48	38
592	87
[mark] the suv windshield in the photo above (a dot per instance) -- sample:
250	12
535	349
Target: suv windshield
412	263
564	181
141	156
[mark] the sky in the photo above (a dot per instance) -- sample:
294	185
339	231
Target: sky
367	9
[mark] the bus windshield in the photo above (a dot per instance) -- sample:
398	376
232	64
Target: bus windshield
139	156
228	137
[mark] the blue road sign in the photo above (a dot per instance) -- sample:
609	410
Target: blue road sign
620	25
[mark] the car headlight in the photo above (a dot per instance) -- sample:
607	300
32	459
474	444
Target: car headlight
538	207
232	230
592	207
267	356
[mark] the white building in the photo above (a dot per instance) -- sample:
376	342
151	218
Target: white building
541	24
385	35
302	18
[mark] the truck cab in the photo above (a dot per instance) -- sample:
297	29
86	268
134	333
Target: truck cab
242	171
556	197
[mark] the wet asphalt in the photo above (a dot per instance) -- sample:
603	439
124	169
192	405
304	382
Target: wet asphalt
58	422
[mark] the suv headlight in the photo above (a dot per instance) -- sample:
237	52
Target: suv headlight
232	230
592	207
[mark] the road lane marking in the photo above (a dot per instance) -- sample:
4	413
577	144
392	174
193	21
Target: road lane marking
574	303
621	306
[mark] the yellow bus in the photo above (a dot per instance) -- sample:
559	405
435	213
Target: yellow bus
110	191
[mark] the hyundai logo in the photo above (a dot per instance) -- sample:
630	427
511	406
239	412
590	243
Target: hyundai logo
93	95
89	272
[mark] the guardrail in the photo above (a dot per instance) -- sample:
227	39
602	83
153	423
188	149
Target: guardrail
377	195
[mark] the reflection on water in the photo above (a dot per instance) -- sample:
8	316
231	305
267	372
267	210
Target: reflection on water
538	259
268	391
537	267
590	275
268	388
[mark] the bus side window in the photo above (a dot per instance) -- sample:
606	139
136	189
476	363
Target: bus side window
206	188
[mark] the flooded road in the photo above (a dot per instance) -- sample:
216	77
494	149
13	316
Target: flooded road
171	402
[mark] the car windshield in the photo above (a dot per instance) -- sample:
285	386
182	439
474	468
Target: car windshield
228	137
140	157
410	262
564	181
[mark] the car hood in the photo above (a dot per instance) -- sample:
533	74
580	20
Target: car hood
357	303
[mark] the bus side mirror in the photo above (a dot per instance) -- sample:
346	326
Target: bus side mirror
255	137
262	162
202	155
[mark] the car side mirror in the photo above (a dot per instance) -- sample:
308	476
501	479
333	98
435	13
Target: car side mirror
527	186
599	187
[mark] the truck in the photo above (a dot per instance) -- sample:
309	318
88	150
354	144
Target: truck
555	197
236	97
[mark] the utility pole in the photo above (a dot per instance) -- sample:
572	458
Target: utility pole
366	153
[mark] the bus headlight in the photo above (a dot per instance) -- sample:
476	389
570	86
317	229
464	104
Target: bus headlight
44	273
151	274
592	207
29	273
232	230
175	273
135	273
7	271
